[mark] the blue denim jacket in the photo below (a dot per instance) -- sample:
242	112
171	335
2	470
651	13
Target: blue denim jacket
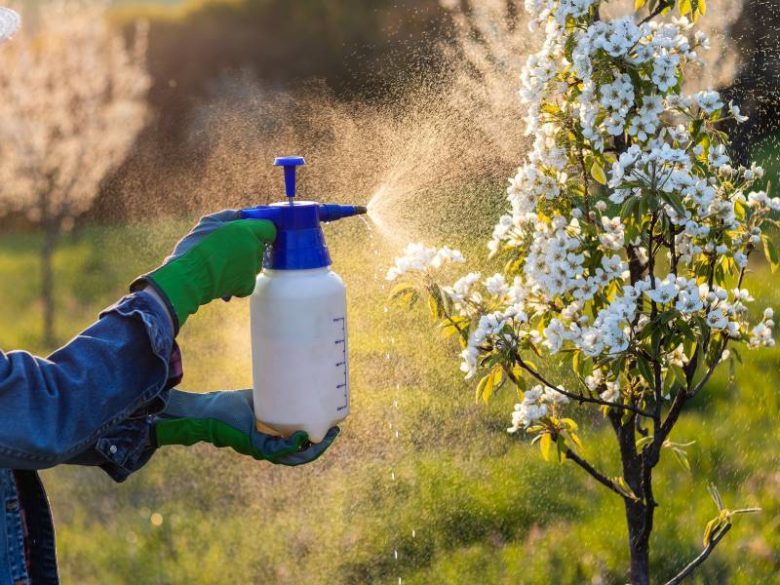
89	403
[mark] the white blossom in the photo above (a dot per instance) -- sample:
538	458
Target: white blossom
737	114
586	275
496	285
709	101
538	402
419	258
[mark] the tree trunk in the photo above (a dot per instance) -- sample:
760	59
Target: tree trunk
639	547
639	517
50	234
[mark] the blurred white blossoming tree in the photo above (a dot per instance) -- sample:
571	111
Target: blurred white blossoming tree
72	102
626	250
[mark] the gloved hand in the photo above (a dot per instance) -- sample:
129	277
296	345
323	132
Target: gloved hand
220	257
227	419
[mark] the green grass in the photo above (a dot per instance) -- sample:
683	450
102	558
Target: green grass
468	503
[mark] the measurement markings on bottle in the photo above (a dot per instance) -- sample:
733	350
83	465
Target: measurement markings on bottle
343	363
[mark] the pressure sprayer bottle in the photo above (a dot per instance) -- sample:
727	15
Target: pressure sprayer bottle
299	319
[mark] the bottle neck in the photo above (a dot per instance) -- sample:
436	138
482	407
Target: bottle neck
296	271
297	248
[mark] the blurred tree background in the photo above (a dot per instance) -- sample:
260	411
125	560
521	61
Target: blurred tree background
357	49
368	51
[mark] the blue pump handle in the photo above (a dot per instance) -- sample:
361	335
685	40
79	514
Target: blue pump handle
300	242
290	163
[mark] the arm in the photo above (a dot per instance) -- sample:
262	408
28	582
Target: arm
53	409
92	402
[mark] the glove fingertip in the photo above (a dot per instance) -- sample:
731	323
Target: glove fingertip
299	438
264	230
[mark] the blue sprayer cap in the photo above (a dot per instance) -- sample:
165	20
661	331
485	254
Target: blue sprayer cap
300	242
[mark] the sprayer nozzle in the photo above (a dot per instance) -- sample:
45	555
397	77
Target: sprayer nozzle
334	212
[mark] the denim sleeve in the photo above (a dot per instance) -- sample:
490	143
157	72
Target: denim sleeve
83	396
122	450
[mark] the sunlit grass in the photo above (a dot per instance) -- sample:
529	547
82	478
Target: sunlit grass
453	496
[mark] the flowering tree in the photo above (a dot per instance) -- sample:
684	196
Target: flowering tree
625	249
72	101
488	35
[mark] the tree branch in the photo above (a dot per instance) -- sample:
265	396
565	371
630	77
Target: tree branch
594	473
691	567
662	5
578	397
674	414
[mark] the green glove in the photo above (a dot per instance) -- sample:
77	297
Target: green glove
219	258
227	419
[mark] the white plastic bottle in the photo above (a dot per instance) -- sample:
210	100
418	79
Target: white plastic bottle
299	351
299	319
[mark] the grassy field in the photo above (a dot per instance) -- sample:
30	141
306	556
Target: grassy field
450	498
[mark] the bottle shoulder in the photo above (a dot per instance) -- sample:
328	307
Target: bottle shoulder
299	282
326	271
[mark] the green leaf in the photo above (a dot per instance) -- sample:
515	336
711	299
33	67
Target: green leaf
745	511
405	295
624	488
712	526
645	369
682	457
400	290
713	490
435	306
570	424
481	387
455	325
675	201
597	172
575	439
770	251
435	302
679	375
545	446
490	383
520	381
696	128
561	445
643	442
